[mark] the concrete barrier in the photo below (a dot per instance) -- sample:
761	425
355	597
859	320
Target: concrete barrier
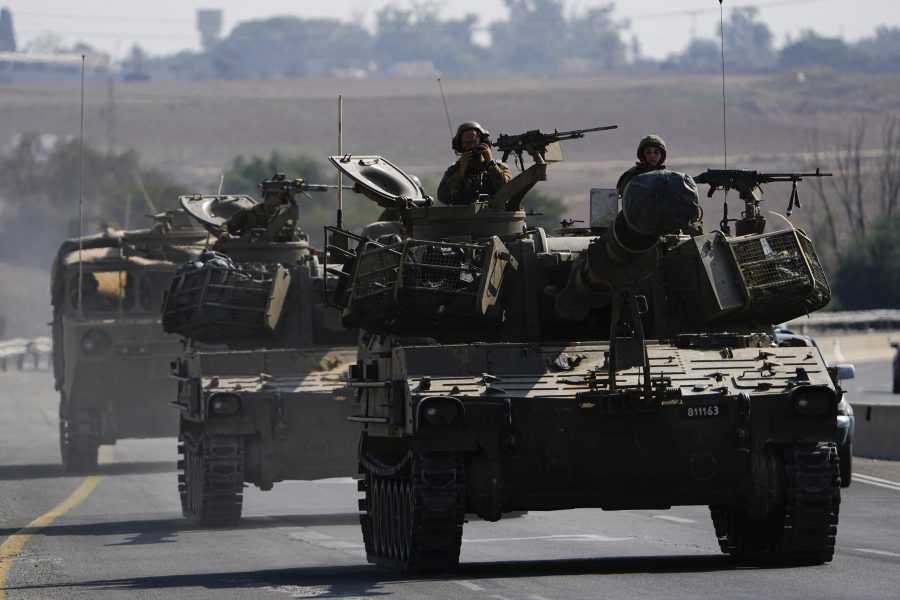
877	432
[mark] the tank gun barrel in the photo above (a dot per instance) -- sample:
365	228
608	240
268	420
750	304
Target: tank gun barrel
655	204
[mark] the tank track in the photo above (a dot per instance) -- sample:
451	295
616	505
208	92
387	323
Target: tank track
413	511
211	479
802	531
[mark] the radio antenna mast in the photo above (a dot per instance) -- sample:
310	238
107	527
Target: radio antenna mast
81	198
723	225
340	210
722	46
446	112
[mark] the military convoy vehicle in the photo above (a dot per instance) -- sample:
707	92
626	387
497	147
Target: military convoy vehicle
106	334
619	366
263	358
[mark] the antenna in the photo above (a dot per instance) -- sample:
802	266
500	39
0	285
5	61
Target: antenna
446	112
340	210
722	45
723	225
221	183
80	310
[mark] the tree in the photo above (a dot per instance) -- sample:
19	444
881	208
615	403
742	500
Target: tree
815	50
748	43
748	47
881	52
288	47
867	276
40	191
7	33
419	35
594	36
533	40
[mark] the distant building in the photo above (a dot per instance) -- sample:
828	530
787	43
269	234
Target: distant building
209	24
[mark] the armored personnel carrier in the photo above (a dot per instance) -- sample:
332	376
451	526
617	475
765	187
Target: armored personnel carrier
106	294
263	358
620	366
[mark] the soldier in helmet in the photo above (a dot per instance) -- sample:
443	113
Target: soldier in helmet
476	172
261	216
651	153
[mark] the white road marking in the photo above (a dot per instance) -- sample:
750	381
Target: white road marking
584	537
879	552
674	519
469	585
310	536
326	541
891	485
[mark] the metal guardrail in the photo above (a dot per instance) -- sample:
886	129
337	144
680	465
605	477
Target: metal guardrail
885	318
24	353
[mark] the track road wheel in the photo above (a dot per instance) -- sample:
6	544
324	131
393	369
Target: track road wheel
211	478
802	530
412	514
79	444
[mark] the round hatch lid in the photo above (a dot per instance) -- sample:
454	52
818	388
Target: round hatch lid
380	177
213	211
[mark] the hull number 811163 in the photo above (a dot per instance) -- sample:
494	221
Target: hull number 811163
701	411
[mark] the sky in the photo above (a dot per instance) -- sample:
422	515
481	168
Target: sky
662	27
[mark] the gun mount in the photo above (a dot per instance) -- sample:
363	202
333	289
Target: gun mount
747	183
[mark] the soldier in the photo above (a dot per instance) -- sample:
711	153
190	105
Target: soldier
651	153
476	172
260	216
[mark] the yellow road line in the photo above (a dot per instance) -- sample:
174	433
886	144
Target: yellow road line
14	543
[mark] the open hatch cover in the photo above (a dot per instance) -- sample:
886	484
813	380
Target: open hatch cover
213	211
380	177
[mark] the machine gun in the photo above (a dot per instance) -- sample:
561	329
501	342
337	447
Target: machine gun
536	142
286	189
747	183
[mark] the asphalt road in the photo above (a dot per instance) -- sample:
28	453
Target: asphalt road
120	534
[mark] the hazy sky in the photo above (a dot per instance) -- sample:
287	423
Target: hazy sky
661	26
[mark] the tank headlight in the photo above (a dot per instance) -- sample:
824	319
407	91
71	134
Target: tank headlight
224	405
440	410
813	403
95	342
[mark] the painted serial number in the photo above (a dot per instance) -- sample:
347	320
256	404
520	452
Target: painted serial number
704	410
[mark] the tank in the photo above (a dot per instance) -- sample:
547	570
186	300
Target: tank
262	361
106	335
620	366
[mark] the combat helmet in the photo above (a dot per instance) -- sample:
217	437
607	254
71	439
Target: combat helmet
457	139
655	141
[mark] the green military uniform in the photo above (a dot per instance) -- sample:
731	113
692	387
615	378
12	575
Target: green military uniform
486	178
